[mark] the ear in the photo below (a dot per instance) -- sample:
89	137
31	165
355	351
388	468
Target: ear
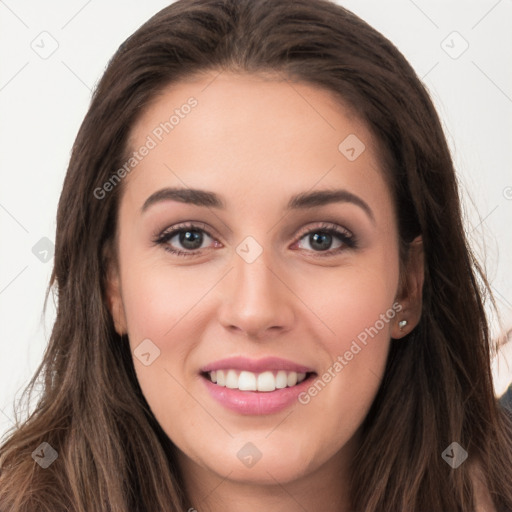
113	290
410	290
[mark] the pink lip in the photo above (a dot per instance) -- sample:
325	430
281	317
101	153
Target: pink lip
256	365
256	402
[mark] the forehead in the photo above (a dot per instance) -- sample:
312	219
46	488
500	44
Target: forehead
246	133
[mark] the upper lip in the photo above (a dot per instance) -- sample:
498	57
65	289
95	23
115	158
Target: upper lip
256	365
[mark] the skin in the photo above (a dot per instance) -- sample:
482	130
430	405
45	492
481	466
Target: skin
257	141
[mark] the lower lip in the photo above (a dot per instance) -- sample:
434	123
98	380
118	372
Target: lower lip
256	402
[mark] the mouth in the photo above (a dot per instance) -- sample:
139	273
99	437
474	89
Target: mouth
264	382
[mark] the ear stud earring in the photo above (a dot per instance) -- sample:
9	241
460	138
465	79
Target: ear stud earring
402	324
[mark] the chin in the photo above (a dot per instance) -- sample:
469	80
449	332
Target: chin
256	460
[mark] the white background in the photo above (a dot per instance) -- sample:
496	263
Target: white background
43	101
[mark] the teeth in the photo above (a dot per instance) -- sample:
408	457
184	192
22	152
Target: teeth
221	379
249	381
246	381
266	382
231	379
281	379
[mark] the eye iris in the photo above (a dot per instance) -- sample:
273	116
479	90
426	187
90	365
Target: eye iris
324	240
191	236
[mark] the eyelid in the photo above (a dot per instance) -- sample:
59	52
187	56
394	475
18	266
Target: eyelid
173	229
324	226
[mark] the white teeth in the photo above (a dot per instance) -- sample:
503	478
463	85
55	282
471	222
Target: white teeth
249	381
266	381
281	379
231	379
221	379
292	379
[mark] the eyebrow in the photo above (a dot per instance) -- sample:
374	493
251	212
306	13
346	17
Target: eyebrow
300	201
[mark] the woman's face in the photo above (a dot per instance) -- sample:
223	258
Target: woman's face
264	294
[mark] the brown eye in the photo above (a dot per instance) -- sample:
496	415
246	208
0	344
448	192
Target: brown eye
189	239
322	238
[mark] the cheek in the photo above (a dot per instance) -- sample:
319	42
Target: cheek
349	300
157	297
356	309
164	304
158	306
359	319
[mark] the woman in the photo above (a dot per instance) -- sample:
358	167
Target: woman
324	346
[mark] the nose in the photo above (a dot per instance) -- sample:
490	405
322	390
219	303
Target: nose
258	298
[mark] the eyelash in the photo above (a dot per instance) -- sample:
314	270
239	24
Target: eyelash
347	238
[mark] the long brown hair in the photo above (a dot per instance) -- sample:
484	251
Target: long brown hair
437	388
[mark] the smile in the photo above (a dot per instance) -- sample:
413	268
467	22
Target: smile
266	381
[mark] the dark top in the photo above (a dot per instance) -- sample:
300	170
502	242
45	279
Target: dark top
506	399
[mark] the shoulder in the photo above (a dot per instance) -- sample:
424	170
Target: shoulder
483	500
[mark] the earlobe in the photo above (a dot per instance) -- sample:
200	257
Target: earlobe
115	304
411	291
114	296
